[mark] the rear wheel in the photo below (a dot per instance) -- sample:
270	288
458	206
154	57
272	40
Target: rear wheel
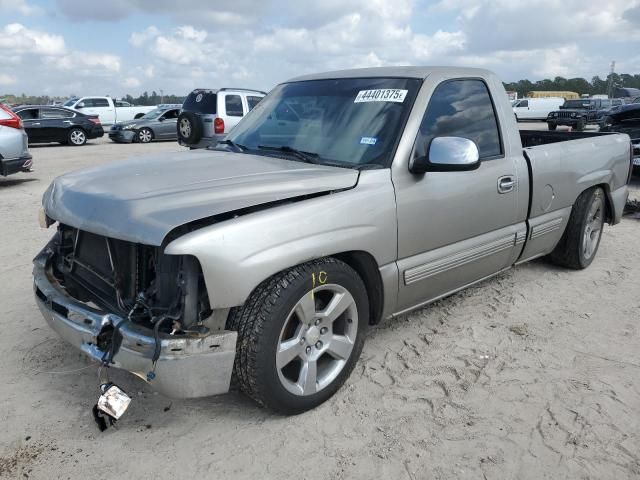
145	135
77	137
300	334
579	244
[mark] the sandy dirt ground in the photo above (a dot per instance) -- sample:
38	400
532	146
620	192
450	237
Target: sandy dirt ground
534	374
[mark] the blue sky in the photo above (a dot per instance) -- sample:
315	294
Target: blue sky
60	47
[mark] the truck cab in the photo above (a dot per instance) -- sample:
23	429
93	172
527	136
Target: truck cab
107	109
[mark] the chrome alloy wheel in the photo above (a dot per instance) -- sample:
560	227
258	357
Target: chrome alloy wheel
593	228
185	128
145	135
78	137
317	339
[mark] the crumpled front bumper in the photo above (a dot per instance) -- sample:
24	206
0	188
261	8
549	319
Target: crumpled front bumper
189	365
122	136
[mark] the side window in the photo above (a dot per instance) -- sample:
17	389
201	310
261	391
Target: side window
461	108
52	113
100	102
233	105
29	114
524	103
88	102
253	101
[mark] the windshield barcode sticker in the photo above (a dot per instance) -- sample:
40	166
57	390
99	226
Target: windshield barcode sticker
381	95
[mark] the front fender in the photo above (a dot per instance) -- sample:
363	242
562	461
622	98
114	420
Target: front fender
238	254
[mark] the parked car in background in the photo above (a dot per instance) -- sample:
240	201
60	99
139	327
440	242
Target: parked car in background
208	115
109	110
274	252
14	148
536	108
626	92
158	124
626	119
577	114
45	123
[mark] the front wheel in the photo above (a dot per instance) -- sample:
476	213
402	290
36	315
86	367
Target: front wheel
145	135
552	126
300	334
579	244
77	137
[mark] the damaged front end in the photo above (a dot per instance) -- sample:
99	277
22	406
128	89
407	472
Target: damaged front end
132	307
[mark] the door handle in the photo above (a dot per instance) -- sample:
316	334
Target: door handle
34	123
506	184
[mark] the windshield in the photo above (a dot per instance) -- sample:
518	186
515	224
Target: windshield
351	122
70	102
577	104
155	113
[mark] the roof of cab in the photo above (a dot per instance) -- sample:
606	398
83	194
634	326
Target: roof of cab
394	72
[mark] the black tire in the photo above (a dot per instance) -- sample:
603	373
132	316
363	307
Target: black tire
580	126
570	251
76	137
260	321
189	128
552	126
636	170
144	135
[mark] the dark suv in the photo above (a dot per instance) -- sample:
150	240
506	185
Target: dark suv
578	114
208	115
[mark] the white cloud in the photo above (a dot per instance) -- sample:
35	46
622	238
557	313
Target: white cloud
138	39
131	82
258	44
20	6
7	79
16	39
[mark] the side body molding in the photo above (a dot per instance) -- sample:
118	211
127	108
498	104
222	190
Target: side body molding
238	254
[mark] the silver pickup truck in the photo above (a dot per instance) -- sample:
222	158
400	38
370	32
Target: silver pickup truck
342	199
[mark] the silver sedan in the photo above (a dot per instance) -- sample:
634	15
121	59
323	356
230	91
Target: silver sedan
14	151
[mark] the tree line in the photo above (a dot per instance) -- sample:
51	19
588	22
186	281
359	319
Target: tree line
582	86
145	99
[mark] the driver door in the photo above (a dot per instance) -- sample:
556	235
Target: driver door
457	227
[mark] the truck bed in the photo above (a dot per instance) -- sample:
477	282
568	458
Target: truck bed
532	138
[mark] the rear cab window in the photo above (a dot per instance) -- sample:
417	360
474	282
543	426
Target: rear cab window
95	102
461	108
200	101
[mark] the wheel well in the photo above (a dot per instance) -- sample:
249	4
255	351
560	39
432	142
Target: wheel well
607	202
367	267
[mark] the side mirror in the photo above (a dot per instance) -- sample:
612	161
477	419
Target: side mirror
447	154
80	105
161	119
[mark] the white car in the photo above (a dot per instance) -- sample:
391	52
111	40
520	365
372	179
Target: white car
207	115
14	150
109	110
536	108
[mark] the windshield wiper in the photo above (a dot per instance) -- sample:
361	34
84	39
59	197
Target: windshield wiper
308	157
231	143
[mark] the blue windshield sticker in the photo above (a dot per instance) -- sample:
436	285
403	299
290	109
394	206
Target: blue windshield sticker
368	140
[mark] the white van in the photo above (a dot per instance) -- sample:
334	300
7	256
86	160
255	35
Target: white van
536	108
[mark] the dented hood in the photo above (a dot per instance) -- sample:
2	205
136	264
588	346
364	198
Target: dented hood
142	200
